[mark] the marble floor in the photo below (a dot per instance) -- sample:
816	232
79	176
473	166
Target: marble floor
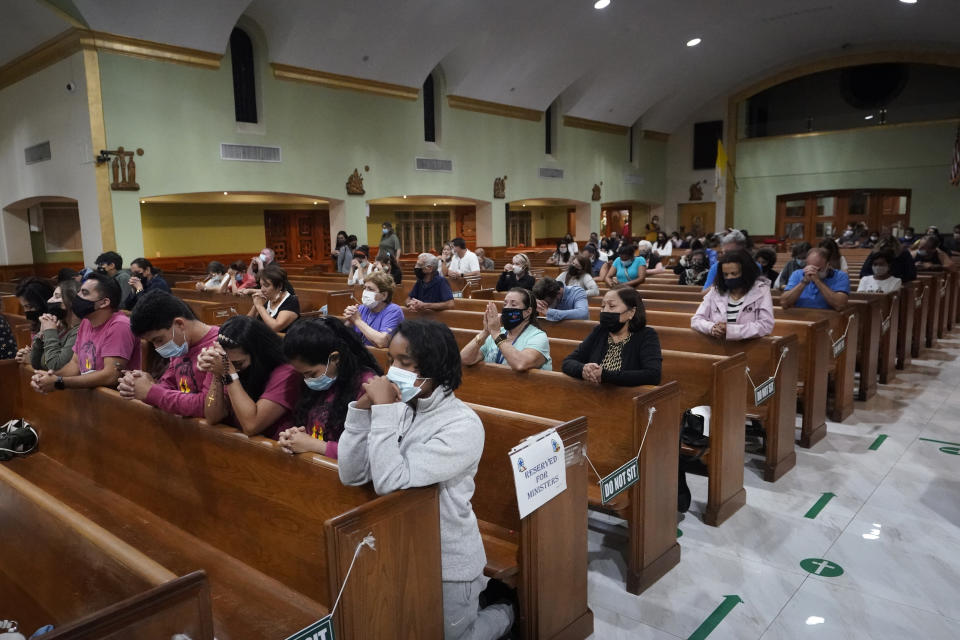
892	527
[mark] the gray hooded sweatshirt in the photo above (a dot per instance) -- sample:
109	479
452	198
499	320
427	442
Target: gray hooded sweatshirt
440	442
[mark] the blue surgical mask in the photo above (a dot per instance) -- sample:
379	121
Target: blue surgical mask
172	349
321	383
406	381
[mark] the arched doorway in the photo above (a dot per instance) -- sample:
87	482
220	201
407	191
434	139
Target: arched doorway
41	231
424	222
237	225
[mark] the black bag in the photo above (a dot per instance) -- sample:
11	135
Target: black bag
17	438
691	432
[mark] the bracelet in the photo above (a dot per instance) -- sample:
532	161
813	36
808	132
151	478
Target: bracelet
500	338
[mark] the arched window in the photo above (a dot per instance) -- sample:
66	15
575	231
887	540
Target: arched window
429	111
244	86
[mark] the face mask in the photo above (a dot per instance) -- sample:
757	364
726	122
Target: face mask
517	269
922	253
873	238
610	320
172	349
264	258
880	271
418	272
56	309
563	250
32	316
626	263
102	270
406	381
83	307
510	318
801	262
733	283
239	277
386	231
320	383
697	264
826	273
369	299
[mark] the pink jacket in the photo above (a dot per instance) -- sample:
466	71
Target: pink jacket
754	320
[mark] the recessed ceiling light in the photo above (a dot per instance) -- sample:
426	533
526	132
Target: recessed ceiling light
404	197
601	4
143	202
315	202
225	193
694	42
909	1
870	117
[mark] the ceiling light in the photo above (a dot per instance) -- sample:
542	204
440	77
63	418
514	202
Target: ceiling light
694	42
143	202
225	193
601	4
869	117
315	202
404	197
812	620
909	1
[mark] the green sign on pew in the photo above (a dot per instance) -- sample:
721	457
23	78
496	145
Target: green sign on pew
620	480
322	629
840	345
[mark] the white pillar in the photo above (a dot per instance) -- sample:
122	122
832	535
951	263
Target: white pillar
485	215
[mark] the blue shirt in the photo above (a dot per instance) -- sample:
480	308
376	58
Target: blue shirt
811	298
388	319
626	274
437	290
530	338
571	306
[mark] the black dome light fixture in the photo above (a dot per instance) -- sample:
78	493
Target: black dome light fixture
872	87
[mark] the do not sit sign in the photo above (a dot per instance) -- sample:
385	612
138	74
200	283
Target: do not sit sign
539	470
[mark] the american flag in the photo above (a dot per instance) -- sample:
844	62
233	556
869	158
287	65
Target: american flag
955	165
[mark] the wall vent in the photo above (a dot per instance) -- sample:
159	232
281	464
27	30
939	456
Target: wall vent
633	178
551	173
434	164
249	153
37	153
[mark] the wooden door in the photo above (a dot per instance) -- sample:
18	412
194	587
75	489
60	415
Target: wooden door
697	217
298	236
466	221
572	223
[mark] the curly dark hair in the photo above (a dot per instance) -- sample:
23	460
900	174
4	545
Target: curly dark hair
262	345
435	350
311	341
749	271
631	297
35	292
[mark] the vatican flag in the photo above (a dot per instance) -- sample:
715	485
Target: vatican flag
721	166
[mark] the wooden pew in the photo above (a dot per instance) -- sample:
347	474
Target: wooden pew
200	496
41	533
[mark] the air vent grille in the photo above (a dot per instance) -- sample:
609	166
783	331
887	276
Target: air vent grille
434	164
551	173
37	153
249	153
633	178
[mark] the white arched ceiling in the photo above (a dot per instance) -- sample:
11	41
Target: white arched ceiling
197	24
25	24
625	63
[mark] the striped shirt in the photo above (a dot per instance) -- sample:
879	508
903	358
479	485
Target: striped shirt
733	309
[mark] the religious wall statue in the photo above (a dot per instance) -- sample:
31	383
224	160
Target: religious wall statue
500	187
355	184
696	190
595	196
123	168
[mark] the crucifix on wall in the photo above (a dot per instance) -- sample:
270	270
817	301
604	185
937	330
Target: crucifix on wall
123	168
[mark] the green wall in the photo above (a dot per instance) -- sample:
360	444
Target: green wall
179	115
913	157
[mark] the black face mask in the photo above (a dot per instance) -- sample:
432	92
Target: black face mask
83	307
418	272
32	316
510	318
56	309
733	283
102	270
610	320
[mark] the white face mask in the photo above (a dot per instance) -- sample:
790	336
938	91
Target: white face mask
369	299
517	269
880	271
264	258
406	381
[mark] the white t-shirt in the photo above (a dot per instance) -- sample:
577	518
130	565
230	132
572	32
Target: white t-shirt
467	264
869	284
665	251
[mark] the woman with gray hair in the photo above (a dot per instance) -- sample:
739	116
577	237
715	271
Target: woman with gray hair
516	273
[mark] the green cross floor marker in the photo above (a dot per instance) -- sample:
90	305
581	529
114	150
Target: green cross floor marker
955	444
679	533
821	567
819	505
721	612
879	441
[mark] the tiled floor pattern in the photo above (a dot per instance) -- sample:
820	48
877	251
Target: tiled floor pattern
893	527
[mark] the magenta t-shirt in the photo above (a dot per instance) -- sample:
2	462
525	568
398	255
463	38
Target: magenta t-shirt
283	387
182	390
318	415
112	339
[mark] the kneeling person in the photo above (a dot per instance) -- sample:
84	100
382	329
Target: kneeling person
170	326
440	442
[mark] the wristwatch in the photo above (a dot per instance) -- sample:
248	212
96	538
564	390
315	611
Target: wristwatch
500	338
230	379
59	384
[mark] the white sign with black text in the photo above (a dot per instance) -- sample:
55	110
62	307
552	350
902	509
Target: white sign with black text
539	470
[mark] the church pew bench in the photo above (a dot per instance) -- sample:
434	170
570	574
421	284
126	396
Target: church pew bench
206	497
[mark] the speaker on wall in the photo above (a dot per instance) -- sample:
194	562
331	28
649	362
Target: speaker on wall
705	136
